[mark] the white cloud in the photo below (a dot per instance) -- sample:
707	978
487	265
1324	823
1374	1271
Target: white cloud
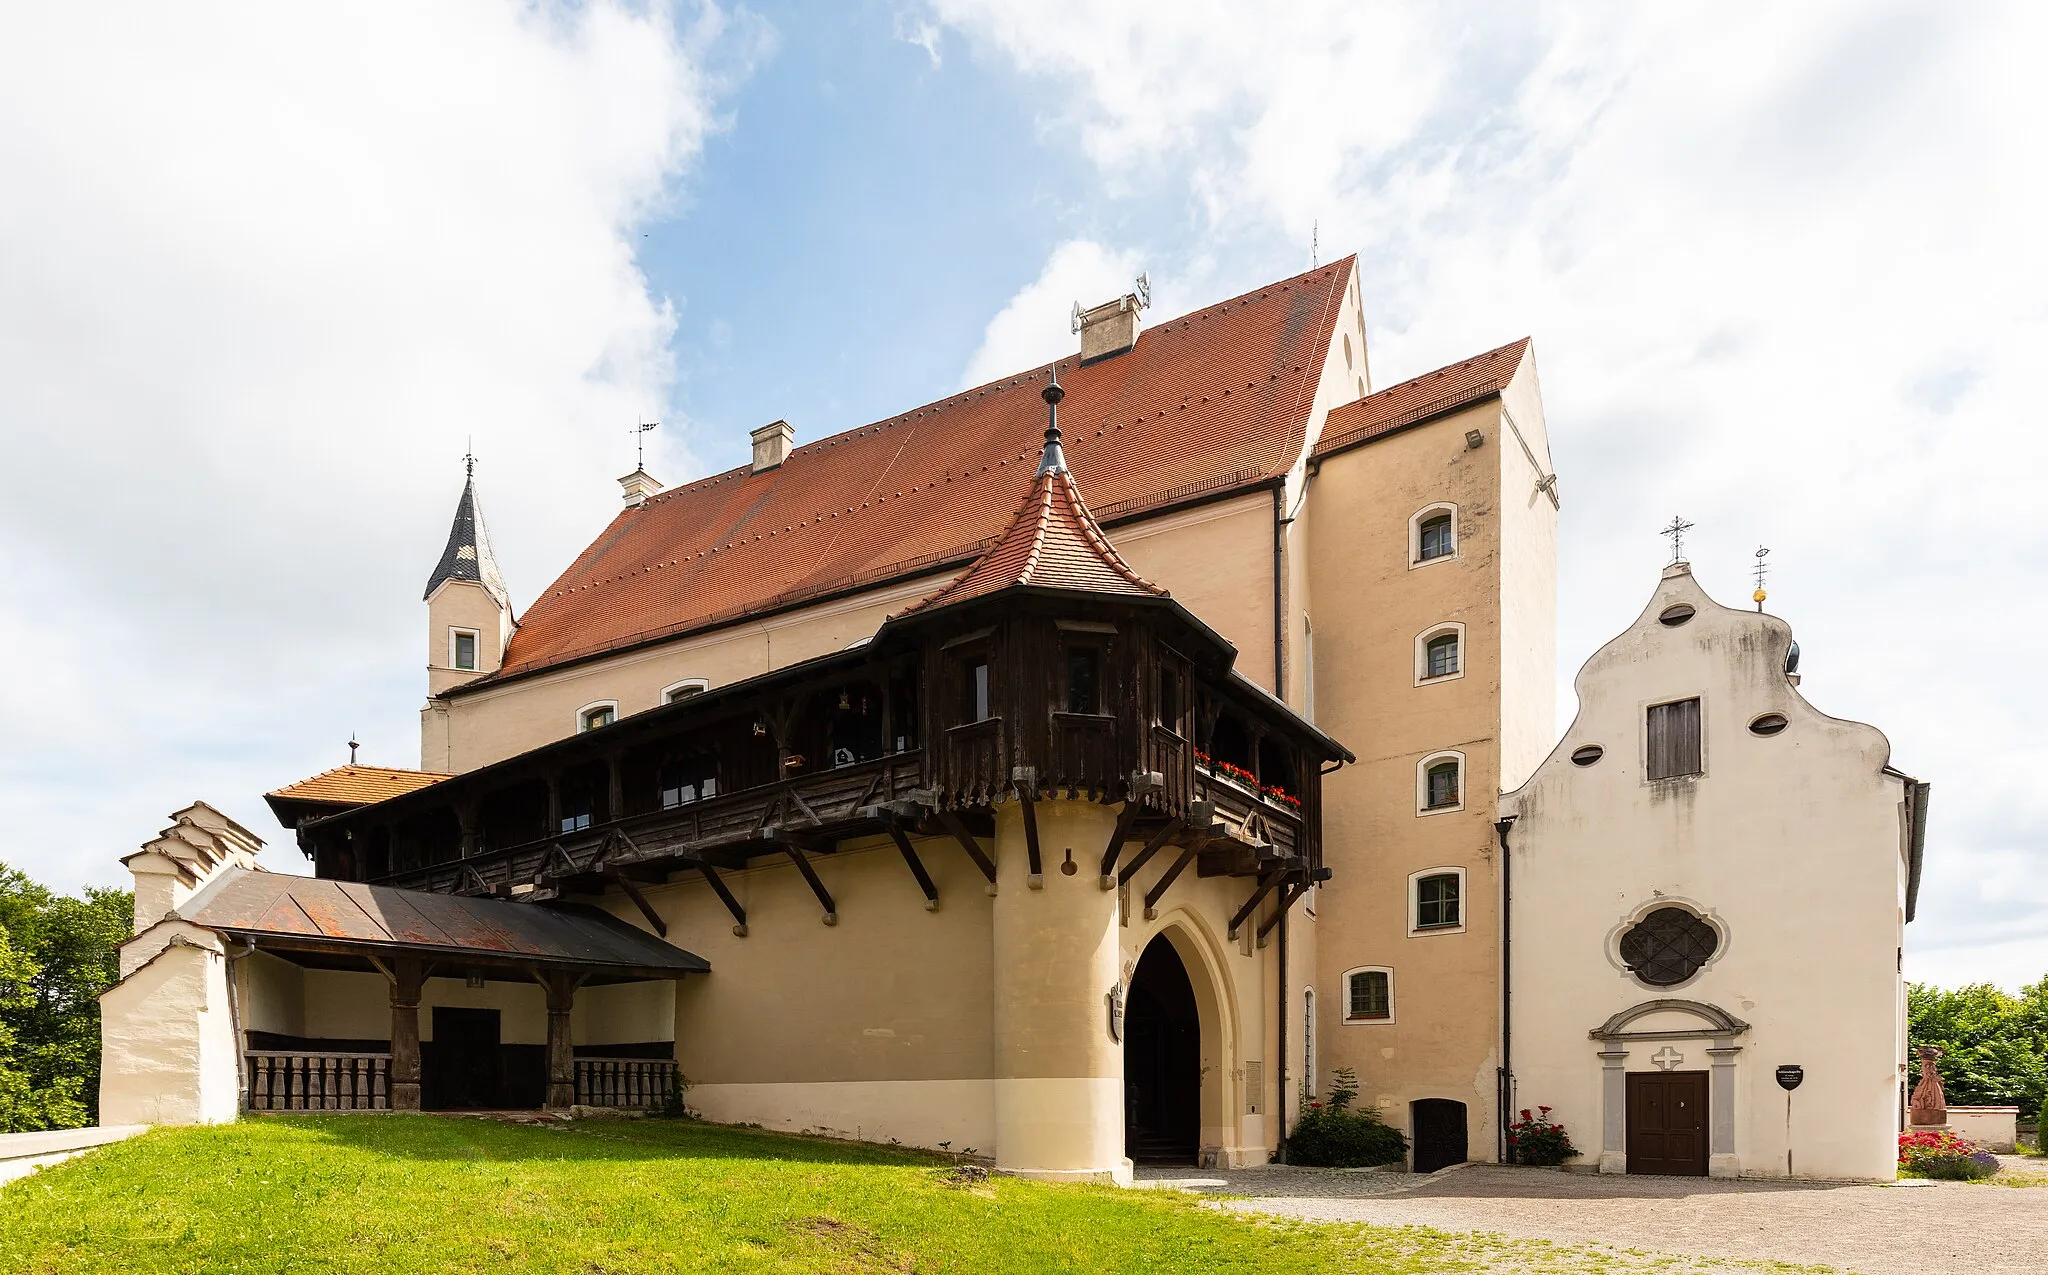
1034	328
1783	275
263	272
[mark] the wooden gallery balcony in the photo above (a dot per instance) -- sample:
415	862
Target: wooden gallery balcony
1021	696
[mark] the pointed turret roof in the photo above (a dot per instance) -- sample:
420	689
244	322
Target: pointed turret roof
468	555
1052	542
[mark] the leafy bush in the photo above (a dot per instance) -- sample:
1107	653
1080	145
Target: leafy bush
1535	1140
1974	1167
1994	1045
1332	1135
57	955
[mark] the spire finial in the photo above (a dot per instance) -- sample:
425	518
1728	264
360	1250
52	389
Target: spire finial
352	746
1054	460
1760	568
469	459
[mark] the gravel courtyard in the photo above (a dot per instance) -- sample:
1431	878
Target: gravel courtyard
1873	1230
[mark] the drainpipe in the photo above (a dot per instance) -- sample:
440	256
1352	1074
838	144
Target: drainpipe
234	959
1505	1080
1280	1101
1279	618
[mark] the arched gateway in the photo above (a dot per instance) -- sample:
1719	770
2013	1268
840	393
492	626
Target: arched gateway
1162	1060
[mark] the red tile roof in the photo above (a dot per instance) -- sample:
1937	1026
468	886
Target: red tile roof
1214	400
357	785
1052	542
1431	394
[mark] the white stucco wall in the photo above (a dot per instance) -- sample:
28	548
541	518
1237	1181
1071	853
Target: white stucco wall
167	1040
1790	845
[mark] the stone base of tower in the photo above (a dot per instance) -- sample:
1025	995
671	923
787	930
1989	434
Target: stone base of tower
1062	1129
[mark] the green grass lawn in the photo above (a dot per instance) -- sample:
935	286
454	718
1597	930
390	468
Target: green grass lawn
405	1194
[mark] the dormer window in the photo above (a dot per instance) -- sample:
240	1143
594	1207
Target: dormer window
595	715
462	649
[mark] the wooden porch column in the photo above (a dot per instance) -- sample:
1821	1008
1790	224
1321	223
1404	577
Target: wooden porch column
561	989
406	977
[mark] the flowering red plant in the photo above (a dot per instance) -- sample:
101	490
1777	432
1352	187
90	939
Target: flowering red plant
1284	797
1535	1140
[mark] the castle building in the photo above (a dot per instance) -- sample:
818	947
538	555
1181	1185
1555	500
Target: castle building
1080	768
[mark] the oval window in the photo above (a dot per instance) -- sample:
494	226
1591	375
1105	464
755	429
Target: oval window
1588	755
1768	724
1676	615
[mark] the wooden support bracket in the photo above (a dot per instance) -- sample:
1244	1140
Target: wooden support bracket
1266	884
803	865
951	823
732	905
1024	782
1124	819
1288	896
1152	847
640	901
916	866
1158	891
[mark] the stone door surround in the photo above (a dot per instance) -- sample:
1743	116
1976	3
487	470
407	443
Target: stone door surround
1717	1027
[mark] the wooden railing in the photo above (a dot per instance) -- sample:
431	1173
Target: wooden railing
644	1083
294	1080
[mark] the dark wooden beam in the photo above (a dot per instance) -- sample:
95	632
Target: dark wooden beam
640	901
916	866
1124	819
1266	884
951	823
1158	891
1152	847
718	887
803	865
1024	782
1288	896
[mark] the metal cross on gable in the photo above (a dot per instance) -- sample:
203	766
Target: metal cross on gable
1676	531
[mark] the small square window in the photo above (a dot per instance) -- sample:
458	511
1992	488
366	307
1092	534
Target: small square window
465	651
1437	902
602	715
1368	996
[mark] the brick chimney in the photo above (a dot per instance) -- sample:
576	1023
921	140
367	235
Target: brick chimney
638	486
1110	328
772	444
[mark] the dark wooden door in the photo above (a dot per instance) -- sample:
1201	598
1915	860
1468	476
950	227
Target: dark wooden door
1667	1123
1162	1060
462	1068
1439	1133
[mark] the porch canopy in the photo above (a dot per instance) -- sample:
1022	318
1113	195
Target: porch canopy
411	935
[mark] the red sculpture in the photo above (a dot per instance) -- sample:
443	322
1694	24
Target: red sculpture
1929	1104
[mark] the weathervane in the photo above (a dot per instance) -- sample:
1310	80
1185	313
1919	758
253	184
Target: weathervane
469	457
640	429
1760	569
1676	531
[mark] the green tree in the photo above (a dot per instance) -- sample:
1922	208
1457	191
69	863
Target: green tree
57	954
1994	1045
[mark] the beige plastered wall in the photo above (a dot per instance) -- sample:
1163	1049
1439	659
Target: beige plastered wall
1792	847
1371	603
893	1023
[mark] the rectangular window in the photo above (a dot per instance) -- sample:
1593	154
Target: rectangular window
576	810
1369	996
1675	739
687	780
1436	901
977	691
1443	786
1169	699
1083	672
465	650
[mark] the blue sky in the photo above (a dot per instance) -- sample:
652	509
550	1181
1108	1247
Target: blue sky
268	271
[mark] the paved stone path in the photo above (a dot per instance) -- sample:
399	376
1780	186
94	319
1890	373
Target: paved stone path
1966	1228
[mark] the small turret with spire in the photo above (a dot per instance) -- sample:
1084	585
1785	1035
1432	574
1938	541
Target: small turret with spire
469	611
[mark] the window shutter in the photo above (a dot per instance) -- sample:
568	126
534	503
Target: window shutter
1674	739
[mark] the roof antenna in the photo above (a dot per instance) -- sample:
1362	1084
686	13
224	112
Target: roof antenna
1054	461
1760	568
352	746
640	429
